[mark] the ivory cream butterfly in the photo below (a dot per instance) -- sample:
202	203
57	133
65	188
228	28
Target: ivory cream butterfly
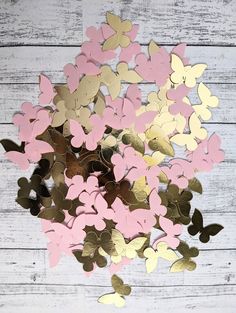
196	132
207	101
185	74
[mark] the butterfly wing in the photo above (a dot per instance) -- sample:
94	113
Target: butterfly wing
36	148
183	264
133	246
143	119
202	111
197	223
195	131
195	127
119	166
165	253
192	73
119	286
18	158
118	241
46	88
210	230
184	139
73	76
77	133
151	259
112	298
178	69
213	148
206	98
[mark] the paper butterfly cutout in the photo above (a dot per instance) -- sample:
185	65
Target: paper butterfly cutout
171	231
185	74
47	91
196	132
82	67
152	256
91	139
207	101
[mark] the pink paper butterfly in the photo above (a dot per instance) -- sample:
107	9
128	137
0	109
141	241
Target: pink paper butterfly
129	160
63	239
133	93
33	152
120	113
188	169
151	174
102	212
179	106
171	231
94	34
74	72
92	138
133	32
127	54
40	124
132	223
95	210
155	204
23	120
207	154
156	69
94	52
46	88
175	174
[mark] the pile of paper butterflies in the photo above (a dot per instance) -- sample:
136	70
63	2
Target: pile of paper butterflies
116	168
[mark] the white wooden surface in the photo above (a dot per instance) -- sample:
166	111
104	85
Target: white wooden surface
43	35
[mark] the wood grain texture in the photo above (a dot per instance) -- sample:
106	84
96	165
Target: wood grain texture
24	64
42	36
54	299
31	267
60	22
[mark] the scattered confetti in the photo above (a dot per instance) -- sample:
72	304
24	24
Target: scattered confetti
110	184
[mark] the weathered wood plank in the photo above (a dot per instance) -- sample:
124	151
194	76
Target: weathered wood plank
40	23
170	21
13	95
24	64
31	267
54	299
64	22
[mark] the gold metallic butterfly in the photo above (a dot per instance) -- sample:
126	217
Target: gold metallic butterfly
112	80
185	263
153	256
124	249
116	298
120	28
205	232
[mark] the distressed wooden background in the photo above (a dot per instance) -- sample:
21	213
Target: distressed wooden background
44	35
